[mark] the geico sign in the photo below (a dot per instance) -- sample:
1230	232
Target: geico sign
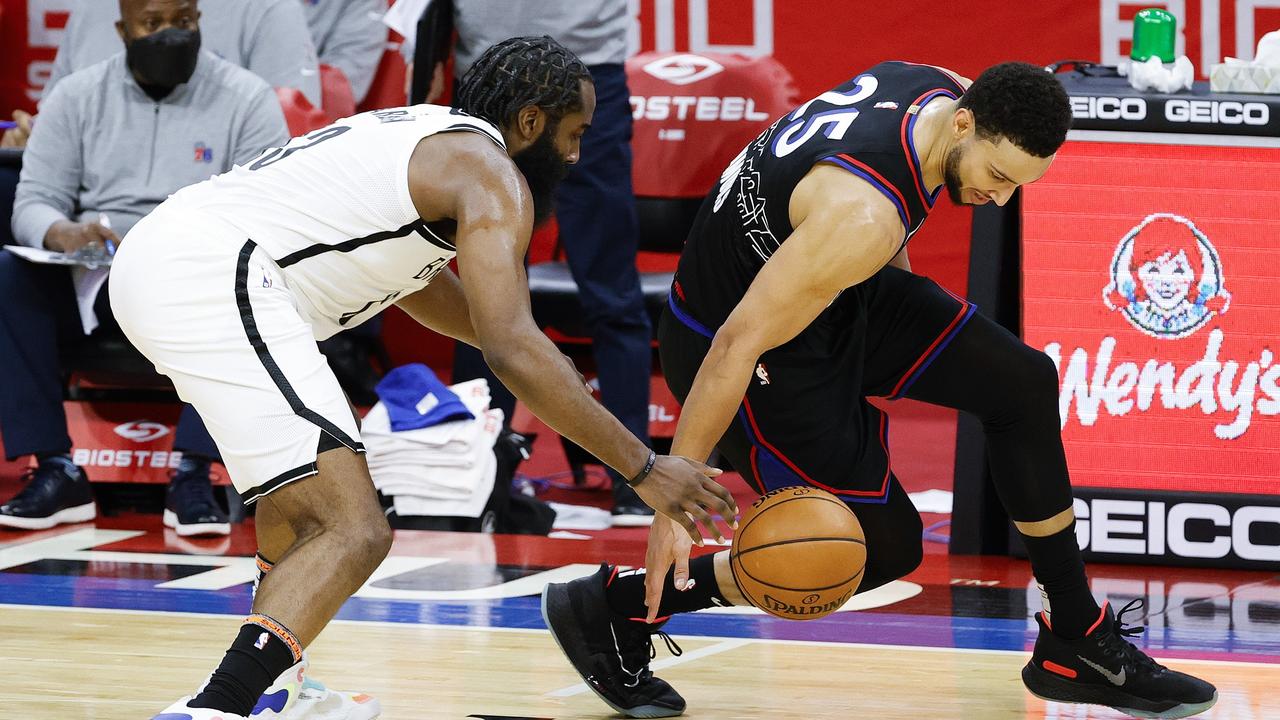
1108	108
1217	112
706	108
1147	527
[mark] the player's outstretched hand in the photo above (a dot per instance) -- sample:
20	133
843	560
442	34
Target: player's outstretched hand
682	490
668	545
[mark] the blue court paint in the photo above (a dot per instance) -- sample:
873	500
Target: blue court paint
882	627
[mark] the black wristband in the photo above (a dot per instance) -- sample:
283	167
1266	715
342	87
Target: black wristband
648	468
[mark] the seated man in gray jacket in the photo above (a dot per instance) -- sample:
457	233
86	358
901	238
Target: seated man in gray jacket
350	36
266	37
269	38
112	142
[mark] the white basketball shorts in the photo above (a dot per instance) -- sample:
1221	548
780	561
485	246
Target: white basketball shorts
215	315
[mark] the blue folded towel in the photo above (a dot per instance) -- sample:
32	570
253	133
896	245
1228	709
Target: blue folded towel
415	398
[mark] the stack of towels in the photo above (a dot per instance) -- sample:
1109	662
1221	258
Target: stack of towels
430	446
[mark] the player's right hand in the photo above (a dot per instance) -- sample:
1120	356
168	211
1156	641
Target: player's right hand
668	545
682	490
67	237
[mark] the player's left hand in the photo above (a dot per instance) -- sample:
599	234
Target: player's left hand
669	545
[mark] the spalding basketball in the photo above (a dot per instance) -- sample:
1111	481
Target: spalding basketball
799	553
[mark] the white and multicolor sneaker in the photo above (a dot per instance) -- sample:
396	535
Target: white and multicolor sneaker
180	711
317	702
296	696
293	696
278	700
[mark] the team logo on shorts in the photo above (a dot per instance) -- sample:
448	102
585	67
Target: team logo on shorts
1166	278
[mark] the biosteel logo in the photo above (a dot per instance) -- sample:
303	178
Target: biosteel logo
683	69
141	431
1168	282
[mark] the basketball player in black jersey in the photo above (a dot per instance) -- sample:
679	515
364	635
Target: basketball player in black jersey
794	302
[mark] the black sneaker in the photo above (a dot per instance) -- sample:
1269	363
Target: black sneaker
610	652
628	509
189	507
57	492
1103	668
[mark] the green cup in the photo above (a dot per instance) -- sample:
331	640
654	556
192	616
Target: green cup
1155	34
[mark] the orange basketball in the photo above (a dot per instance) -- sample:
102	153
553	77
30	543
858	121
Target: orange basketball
799	553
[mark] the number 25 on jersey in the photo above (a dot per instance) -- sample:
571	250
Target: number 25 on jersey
831	123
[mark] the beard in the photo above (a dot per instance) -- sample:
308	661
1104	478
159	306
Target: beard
543	169
951	175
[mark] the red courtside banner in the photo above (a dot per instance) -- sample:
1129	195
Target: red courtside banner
694	112
30	32
1149	276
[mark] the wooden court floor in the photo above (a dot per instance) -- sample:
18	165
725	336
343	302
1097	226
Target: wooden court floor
72	663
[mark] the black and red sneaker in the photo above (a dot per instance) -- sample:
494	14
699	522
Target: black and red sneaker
1103	668
609	651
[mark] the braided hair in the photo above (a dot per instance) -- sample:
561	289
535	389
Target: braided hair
520	72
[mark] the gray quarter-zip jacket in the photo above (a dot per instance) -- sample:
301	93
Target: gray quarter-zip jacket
102	146
267	37
350	36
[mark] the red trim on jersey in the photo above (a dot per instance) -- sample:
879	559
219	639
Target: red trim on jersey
916	172
879	178
755	468
755	430
964	308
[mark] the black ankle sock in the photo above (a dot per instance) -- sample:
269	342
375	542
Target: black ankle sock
1069	606
625	591
261	652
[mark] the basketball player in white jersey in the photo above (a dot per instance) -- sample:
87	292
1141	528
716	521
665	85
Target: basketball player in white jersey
227	286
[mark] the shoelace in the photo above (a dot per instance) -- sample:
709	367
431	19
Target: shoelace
1115	645
650	652
193	494
672	647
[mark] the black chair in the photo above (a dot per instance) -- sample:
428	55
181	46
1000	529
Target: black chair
664	224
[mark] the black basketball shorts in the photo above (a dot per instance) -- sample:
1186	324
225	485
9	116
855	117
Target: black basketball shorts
805	419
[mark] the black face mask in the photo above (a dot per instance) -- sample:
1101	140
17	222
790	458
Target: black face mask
163	60
543	168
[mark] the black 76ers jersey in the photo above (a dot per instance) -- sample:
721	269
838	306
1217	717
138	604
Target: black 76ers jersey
863	126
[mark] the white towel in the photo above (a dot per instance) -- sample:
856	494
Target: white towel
443	470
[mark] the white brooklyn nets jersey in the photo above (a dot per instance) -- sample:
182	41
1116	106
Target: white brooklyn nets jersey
332	209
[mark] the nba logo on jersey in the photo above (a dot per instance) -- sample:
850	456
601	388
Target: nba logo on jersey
261	642
204	153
